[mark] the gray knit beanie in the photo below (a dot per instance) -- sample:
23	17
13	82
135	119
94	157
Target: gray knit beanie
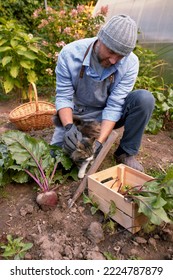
119	34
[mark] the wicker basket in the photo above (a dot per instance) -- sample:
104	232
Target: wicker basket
33	115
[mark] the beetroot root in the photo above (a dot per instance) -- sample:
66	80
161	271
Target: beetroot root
48	198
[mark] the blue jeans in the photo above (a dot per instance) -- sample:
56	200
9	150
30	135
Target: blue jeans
137	111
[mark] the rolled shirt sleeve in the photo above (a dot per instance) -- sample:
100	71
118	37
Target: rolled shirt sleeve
64	86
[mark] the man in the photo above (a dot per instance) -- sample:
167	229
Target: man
94	81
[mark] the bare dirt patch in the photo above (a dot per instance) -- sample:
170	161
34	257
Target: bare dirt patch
75	233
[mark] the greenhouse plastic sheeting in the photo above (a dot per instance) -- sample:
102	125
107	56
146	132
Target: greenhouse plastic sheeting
153	17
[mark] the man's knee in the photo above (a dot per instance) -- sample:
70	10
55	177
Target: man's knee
144	98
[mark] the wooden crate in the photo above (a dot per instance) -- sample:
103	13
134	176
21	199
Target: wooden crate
103	187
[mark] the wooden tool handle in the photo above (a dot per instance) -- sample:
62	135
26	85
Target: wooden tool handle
32	86
94	167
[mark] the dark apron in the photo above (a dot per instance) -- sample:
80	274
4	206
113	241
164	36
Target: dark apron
90	92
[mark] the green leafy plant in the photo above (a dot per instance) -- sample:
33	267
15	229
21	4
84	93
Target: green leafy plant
109	224
26	157
150	78
21	57
109	256
15	248
94	207
154	198
134	258
5	162
20	10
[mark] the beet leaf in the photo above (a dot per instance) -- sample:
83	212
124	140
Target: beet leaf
30	156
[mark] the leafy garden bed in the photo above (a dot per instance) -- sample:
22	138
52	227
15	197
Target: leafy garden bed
63	233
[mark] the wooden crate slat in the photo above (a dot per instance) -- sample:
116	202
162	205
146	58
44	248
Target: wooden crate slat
132	225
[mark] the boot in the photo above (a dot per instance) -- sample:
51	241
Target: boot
129	161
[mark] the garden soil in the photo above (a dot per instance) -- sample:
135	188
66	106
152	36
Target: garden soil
75	234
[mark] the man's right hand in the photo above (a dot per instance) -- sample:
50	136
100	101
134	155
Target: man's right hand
71	137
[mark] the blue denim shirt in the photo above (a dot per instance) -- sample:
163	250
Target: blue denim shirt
70	61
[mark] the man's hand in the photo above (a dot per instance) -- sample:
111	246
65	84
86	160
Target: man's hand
97	146
71	137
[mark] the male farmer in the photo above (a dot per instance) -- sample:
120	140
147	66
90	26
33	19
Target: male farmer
94	81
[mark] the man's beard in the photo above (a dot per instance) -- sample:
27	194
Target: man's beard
103	62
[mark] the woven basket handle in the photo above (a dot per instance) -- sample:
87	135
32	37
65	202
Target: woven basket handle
32	87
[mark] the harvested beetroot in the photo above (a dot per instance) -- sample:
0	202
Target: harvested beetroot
37	162
48	198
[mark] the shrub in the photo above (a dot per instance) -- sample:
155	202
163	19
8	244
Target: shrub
20	10
21	58
150	78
